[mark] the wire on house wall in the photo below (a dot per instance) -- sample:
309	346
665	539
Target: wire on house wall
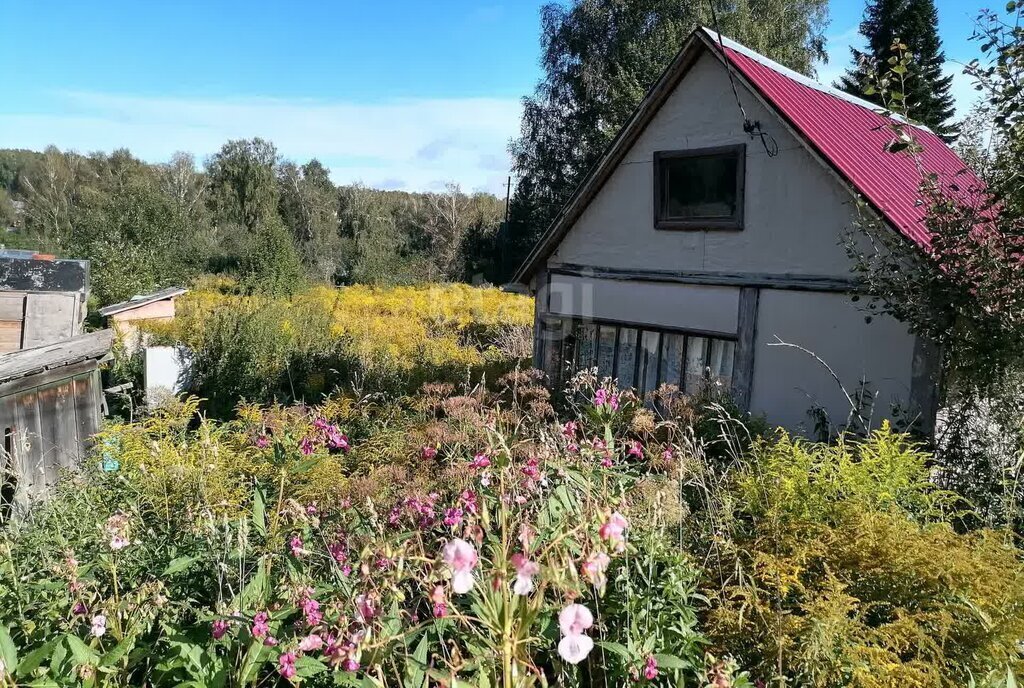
752	128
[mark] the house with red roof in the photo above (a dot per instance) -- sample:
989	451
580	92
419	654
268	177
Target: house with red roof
708	245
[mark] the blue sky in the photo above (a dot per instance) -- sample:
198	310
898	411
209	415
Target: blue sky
394	93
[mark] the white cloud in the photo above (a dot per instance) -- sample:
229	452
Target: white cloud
416	143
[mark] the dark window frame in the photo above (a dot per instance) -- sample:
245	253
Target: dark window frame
734	222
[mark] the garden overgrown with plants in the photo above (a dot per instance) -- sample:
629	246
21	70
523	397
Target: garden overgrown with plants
369	488
266	348
463	536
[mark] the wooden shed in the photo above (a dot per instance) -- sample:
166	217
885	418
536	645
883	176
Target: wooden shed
51	403
125	317
42	299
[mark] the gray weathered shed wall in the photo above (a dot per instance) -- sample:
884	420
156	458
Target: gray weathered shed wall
46	421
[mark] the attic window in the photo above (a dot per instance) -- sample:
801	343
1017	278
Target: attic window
699	189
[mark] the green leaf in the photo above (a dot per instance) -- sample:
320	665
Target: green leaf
118	653
617	648
82	653
180	564
259	512
415	674
305	465
33	659
672	662
307	666
8	652
1011	680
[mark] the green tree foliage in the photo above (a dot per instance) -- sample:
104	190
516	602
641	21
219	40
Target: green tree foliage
308	204
915	23
599	58
271	265
272	223
14	163
963	292
1000	78
242	182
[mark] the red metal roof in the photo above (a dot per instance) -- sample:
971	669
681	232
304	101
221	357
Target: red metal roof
853	137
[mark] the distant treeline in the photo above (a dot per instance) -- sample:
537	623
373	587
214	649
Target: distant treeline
246	211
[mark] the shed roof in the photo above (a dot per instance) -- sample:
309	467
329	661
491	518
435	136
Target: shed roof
846	133
19	364
142	300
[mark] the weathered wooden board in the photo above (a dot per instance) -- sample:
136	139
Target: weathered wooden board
94	345
28	445
10	335
10	468
88	411
58	429
49	318
12	306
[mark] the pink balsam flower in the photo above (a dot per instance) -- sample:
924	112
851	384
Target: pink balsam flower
220	627
461	558
428	453
338	552
286	665
636	449
594	569
575	648
453	516
525	571
260	627
439	602
306	446
99	625
311	611
651	668
366	609
311	643
613	531
575	645
575	619
262	442
336	439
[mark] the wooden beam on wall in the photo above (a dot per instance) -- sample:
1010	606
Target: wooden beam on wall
746	343
702	277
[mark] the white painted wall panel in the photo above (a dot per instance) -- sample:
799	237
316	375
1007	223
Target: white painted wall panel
795	211
788	382
684	306
164	373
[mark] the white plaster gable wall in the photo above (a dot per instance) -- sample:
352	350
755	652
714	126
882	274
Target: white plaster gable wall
795	211
710	309
787	382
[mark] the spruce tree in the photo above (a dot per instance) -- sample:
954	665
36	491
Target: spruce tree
915	24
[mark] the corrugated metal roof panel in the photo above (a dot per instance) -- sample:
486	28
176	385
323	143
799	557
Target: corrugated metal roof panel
854	139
